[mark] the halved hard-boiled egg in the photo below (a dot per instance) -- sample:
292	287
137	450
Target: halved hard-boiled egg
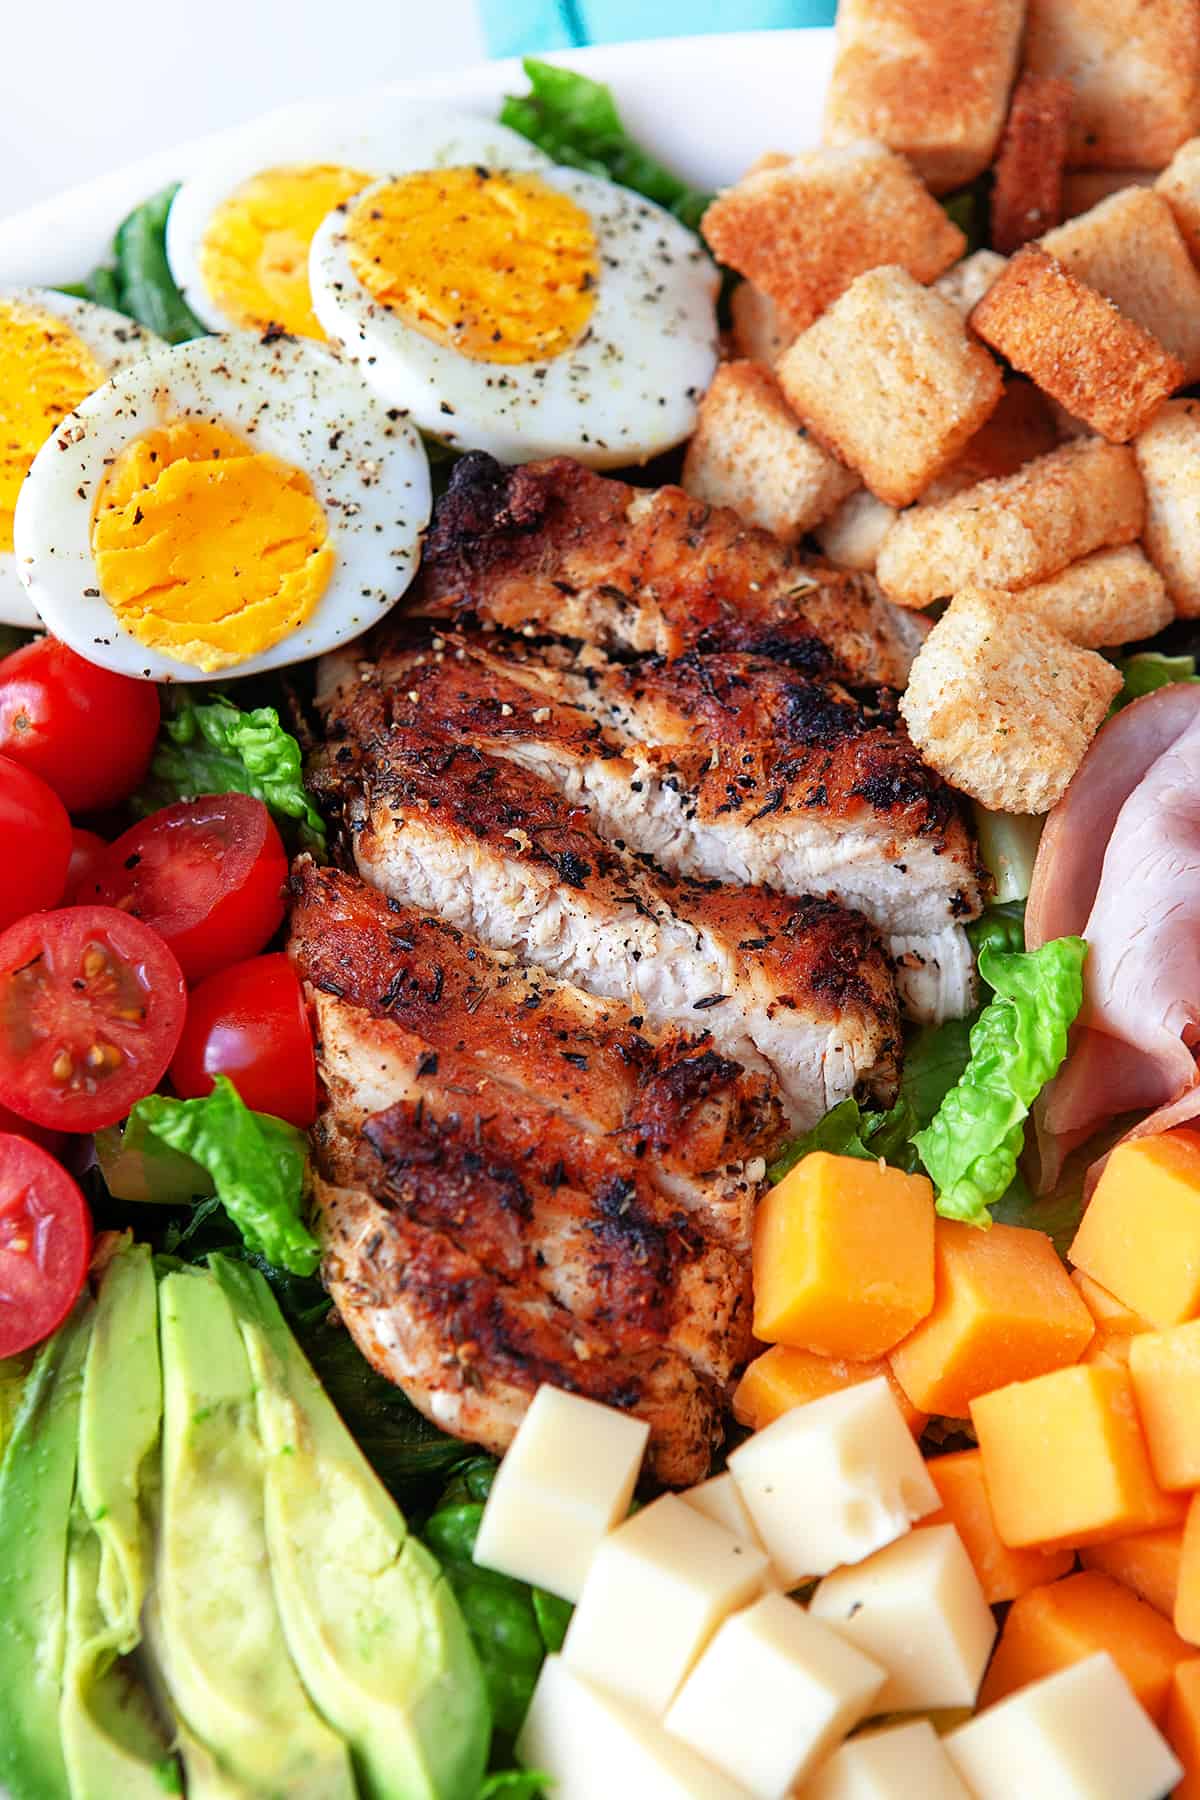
239	231
233	504
524	312
54	351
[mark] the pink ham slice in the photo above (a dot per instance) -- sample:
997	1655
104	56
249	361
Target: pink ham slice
1119	863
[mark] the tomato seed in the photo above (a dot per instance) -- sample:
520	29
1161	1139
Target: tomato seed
62	1068
94	961
104	1056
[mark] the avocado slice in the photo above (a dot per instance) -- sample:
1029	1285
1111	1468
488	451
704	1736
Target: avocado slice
119	1418
370	1618
221	1648
37	1478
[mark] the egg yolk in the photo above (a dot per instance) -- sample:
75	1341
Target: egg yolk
253	257
45	371
501	268
207	549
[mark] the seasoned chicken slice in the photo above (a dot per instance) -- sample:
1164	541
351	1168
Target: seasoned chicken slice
408	1008
554	548
798	987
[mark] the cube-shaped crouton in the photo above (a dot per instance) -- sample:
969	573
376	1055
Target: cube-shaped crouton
969	280
1085	188
1027	191
1135	69
1078	347
1110	597
1002	706
754	325
1015	531
750	452
853	532
1130	248
1021	428
803	232
1168	455
1179	185
891	382
930	81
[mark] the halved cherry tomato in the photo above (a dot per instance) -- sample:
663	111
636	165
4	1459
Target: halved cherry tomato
87	847
45	1242
87	731
249	1022
35	843
208	874
91	1007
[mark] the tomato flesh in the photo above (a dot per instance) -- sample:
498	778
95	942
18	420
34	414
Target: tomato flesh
249	1022
207	874
87	731
92	1003
35	843
45	1242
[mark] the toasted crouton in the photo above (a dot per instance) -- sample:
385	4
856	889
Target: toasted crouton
1021	428
1179	185
1135	68
1168	455
1027	193
1085	188
750	452
930	81
1110	597
1076	345
1130	249
853	532
1017	530
755	328
803	232
890	382
1003	706
969	280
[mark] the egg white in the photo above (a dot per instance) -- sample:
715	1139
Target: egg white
292	398
626	391
115	342
374	133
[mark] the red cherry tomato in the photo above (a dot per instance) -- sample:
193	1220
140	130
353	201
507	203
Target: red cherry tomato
208	874
92	1003
45	1242
53	1142
249	1022
35	843
87	731
87	847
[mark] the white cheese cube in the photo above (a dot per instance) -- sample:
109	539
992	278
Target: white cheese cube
594	1746
832	1480
774	1691
566	1480
917	1607
1075	1735
902	1763
718	1499
657	1589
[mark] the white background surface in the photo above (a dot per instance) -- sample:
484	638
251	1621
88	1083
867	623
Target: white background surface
86	85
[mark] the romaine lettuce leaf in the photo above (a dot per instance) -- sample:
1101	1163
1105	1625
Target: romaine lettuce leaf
257	1164
848	1131
971	1145
1002	926
1150	670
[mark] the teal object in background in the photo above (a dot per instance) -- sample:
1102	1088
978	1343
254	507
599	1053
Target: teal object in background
528	27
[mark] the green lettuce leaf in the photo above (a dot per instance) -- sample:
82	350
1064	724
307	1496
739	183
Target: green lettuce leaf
1002	926
257	1164
934	1061
575	121
1150	670
848	1131
213	747
971	1145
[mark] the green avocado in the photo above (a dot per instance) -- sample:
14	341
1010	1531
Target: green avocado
37	1479
220	1645
370	1618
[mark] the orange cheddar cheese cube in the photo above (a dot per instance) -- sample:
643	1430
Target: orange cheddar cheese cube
1111	1347
782	1378
1112	1317
1147	1563
1140	1236
1187	1594
1052	1627
1065	1462
843	1256
1002	1573
1183	1726
1004	1309
1164	1367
